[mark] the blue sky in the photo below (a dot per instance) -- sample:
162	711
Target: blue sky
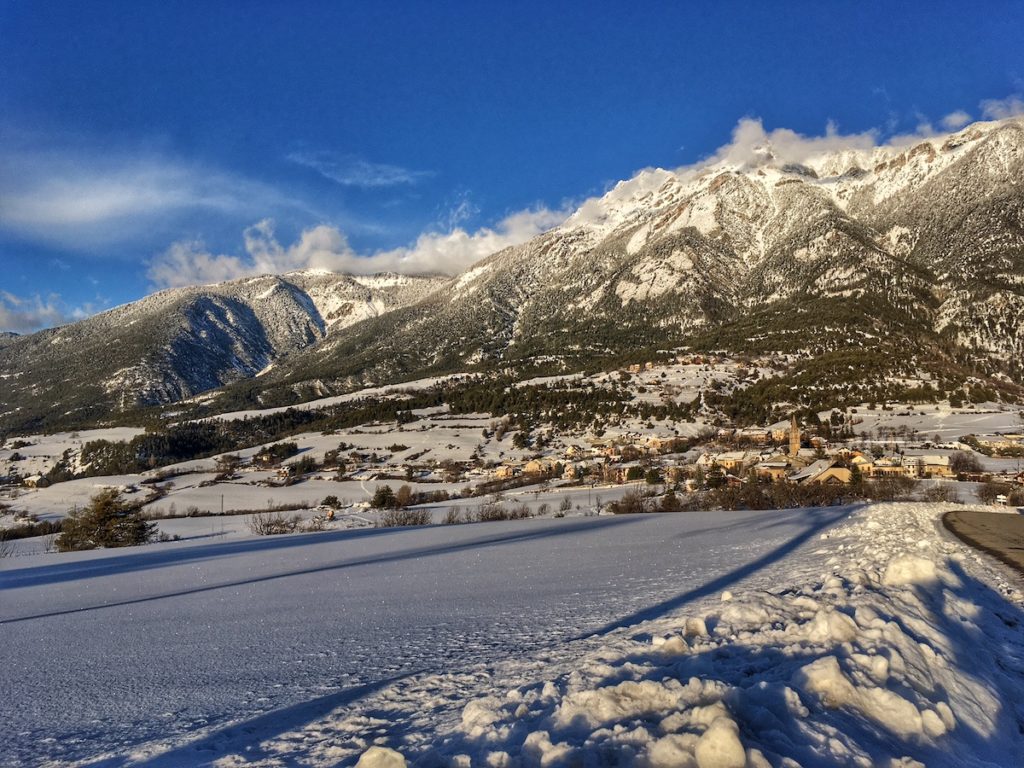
146	144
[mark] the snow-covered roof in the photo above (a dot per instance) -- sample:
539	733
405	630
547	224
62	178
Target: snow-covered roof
811	471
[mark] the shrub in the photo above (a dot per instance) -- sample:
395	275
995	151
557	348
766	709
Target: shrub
988	492
275	454
273	523
107	521
399	518
520	512
490	513
892	489
566	505
634	473
631	503
941	493
670	502
769	496
226	465
404	497
961	462
303	466
315	523
331	501
31	529
454	516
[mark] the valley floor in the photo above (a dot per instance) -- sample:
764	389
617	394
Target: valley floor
849	636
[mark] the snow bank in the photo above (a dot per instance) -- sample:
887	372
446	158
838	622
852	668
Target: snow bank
891	644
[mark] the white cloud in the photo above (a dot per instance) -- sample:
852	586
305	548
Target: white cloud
326	247
353	171
25	314
91	199
189	263
752	145
1000	109
954	121
457	250
459	210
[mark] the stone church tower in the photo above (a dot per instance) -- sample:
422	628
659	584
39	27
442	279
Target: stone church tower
794	436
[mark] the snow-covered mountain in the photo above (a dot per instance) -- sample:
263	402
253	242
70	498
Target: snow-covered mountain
180	342
914	254
896	259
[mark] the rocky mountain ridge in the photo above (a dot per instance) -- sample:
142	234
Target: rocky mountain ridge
901	260
915	252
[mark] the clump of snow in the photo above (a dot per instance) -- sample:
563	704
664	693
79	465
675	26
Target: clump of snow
480	715
381	757
614	703
909	569
539	748
720	747
830	625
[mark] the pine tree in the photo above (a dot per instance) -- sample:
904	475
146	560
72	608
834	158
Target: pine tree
383	498
107	521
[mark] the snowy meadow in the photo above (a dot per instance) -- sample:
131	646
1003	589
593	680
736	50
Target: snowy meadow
847	635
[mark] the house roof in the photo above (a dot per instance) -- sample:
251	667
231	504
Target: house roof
812	470
732	456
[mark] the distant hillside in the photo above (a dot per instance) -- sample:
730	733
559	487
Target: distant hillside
181	342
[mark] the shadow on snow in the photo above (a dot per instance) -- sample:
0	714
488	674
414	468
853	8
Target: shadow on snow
125	564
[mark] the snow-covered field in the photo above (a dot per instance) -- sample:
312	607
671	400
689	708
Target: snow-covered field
389	391
836	636
949	424
43	451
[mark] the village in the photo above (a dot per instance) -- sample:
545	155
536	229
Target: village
445	459
783	454
435	458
